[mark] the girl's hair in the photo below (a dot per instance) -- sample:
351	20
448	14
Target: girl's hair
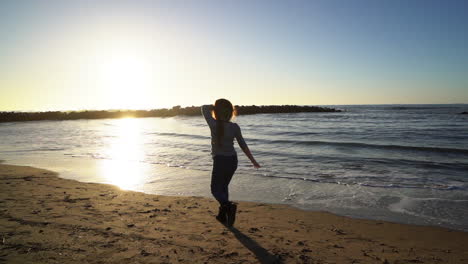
223	112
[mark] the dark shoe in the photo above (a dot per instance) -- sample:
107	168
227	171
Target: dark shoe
231	214
222	214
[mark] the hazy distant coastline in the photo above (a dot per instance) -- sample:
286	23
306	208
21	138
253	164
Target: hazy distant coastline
164	112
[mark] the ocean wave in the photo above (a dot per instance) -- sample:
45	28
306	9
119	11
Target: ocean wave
32	150
385	185
191	136
352	161
419	107
365	145
293	133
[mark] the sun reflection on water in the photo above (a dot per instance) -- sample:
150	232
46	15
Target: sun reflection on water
123	166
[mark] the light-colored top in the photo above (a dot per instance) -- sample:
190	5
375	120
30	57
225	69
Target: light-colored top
231	131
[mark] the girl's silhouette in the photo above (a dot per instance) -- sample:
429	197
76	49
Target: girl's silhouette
223	132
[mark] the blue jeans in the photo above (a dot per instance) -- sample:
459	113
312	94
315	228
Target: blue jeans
223	170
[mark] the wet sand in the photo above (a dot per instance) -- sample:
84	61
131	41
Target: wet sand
46	219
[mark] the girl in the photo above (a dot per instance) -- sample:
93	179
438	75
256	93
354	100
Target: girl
224	156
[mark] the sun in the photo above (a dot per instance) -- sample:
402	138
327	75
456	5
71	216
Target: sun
126	76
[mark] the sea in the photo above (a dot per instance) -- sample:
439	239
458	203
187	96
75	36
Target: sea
398	163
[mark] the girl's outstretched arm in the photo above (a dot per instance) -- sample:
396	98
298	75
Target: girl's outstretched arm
244	147
250	156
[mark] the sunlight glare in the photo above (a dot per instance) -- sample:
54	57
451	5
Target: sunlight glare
125	153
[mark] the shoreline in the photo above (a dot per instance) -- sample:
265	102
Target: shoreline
200	188
44	218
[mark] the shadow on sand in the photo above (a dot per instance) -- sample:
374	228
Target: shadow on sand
260	253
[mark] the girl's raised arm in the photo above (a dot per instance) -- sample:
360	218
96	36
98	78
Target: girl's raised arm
206	112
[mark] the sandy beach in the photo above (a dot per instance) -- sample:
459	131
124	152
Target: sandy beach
46	219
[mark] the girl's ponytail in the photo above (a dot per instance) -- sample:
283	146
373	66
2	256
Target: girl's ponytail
219	132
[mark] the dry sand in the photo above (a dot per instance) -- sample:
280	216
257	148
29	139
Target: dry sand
46	219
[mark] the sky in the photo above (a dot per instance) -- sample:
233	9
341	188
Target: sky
75	55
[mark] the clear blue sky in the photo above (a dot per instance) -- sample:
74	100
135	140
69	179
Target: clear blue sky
150	54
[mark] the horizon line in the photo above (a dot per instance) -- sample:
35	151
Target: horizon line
149	109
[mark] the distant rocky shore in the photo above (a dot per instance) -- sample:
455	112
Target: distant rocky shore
174	111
